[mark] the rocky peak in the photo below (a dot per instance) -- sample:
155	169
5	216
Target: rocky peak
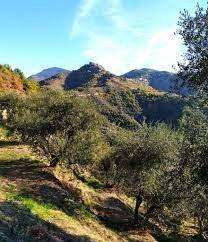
92	68
90	74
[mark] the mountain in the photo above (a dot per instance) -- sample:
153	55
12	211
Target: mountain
112	94
93	75
47	73
90	74
160	80
125	100
55	82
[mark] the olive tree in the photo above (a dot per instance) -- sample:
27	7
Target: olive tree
194	125
59	125
193	28
151	148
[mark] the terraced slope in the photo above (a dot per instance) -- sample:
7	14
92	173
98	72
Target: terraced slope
36	206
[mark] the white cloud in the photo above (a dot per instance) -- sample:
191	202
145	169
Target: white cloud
107	52
122	20
123	45
84	10
162	51
112	10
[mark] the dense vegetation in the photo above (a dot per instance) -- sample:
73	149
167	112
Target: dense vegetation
161	108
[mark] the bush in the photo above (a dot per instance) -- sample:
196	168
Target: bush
31	86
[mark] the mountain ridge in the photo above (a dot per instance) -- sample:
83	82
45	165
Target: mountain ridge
55	82
93	74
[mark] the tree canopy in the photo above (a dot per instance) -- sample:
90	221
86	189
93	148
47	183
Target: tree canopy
194	32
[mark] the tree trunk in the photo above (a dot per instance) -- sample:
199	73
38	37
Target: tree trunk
136	210
200	223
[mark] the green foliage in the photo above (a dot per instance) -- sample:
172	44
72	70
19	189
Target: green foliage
166	167
5	133
194	31
8	99
125	101
194	125
194	122
31	85
91	182
161	108
120	108
6	66
135	154
59	125
20	73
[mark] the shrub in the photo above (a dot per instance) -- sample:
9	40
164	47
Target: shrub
31	86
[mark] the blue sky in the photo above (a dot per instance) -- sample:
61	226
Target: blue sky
119	34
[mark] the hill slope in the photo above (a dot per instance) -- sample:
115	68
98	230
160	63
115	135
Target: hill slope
112	94
38	204
160	80
55	82
9	80
94	75
126	102
89	75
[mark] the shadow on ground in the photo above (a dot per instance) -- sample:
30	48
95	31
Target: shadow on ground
35	180
118	216
115	214
18	224
4	143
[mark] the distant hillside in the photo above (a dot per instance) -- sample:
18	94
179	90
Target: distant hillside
113	95
55	82
125	100
10	80
165	108
94	75
160	80
47	73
